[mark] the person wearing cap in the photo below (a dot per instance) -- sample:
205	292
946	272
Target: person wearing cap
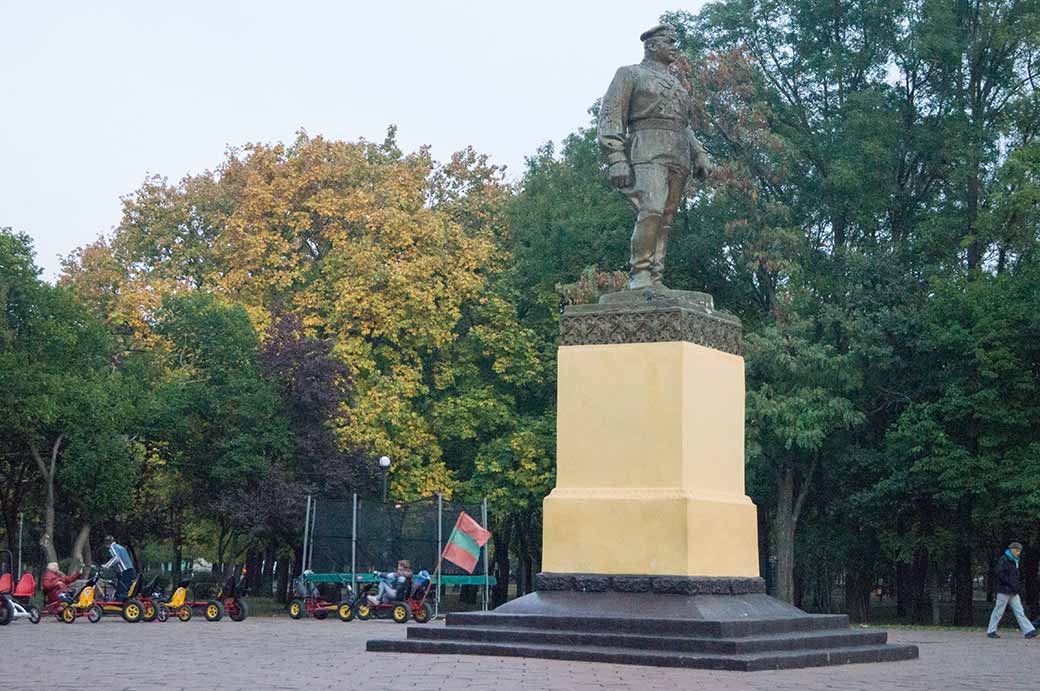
120	560
1008	586
644	132
55	582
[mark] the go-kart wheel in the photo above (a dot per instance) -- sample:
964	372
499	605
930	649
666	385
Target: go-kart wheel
132	611
400	613
184	613
34	615
423	614
241	611
321	614
364	611
214	611
345	611
162	613
297	610
95	614
149	611
6	611
68	614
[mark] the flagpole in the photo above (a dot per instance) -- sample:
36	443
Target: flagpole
436	575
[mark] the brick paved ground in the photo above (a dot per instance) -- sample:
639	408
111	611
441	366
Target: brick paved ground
276	653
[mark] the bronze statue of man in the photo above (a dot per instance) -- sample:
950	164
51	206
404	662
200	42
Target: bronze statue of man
644	131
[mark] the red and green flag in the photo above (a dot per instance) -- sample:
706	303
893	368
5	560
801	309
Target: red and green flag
464	543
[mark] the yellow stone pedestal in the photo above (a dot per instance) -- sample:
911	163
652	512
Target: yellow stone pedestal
650	463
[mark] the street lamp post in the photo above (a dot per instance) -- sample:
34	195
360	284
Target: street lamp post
384	466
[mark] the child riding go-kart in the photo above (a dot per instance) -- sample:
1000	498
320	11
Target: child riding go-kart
15	599
416	603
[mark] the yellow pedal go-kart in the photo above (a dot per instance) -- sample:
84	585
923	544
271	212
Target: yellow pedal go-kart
180	607
86	604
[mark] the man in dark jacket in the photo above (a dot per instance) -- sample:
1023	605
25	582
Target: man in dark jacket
1008	586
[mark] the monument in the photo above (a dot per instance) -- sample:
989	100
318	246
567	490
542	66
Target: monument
650	545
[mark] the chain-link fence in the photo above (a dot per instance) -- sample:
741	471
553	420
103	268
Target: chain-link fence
356	536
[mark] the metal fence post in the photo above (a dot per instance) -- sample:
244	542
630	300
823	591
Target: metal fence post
21	519
314	523
440	550
353	547
306	533
487	580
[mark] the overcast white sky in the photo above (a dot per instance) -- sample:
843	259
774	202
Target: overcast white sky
94	96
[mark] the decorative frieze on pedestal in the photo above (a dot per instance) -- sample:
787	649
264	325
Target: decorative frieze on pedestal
647	316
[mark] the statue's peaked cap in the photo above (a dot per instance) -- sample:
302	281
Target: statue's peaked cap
659	29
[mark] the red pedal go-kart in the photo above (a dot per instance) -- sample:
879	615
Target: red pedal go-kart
15	599
308	602
231	597
417	606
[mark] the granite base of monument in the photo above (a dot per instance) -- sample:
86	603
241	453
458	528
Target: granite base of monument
661	621
649	543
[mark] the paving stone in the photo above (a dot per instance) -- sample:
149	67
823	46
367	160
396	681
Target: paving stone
277	653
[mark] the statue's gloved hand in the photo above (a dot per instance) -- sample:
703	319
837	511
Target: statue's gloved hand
702	165
620	174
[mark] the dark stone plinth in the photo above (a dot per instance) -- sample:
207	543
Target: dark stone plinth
747	631
648	316
668	585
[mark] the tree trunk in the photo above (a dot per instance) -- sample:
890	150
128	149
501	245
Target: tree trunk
501	539
267	576
468	594
81	548
783	535
525	579
47	539
764	568
282	571
1030	580
11	524
788	508
858	585
920	602
963	585
178	560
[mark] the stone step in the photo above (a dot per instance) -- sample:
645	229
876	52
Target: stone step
633	656
814	640
653	625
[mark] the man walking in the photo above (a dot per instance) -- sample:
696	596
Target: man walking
1008	585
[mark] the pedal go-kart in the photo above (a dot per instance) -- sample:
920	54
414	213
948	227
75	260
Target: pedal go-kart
151	597
72	605
181	607
308	602
231	597
86	603
416	606
14	599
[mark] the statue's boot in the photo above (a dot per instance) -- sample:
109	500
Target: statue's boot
657	267
644	242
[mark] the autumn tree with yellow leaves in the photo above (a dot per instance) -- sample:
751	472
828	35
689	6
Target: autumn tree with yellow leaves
392	256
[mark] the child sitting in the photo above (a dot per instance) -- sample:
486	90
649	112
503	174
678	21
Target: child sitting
390	582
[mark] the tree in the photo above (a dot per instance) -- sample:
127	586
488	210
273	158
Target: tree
61	393
216	419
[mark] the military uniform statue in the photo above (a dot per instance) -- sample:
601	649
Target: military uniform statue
644	131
